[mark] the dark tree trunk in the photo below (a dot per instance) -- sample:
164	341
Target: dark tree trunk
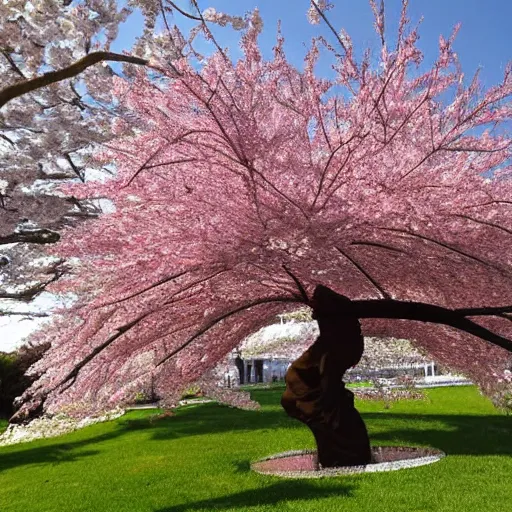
240	367
342	441
258	370
315	393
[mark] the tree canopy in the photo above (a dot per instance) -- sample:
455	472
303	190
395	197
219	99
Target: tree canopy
248	183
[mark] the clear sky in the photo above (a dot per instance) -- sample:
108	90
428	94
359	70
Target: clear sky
485	38
485	41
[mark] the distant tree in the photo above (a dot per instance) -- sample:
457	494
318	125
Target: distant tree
53	108
252	182
46	121
56	107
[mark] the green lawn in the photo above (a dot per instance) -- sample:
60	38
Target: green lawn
199	459
280	386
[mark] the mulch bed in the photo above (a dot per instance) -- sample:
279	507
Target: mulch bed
303	464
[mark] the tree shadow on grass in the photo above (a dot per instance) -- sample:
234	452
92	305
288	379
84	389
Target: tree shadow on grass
211	418
453	434
268	397
284	491
189	421
456	434
56	453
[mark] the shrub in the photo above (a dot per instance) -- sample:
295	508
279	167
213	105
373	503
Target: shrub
13	381
194	391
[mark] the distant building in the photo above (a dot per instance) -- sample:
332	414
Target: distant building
265	356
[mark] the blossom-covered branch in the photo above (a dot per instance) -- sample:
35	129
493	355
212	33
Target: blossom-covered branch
25	86
36	236
28	314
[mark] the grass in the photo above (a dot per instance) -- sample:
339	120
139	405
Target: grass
198	460
360	384
280	385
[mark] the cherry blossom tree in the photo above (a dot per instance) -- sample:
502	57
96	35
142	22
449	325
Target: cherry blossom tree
50	117
39	41
247	184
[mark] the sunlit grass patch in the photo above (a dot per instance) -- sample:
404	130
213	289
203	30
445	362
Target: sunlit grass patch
198	460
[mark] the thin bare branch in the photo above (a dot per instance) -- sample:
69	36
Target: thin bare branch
302	290
329	24
381	290
181	11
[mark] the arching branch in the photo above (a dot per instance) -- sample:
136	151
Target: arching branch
23	87
422	312
447	247
379	245
152	286
70	378
220	318
486	223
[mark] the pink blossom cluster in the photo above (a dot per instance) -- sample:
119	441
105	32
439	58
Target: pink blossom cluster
388	395
212	15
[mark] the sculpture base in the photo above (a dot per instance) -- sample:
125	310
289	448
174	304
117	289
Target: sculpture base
303	463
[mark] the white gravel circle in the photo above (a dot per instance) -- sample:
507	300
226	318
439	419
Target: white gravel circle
424	456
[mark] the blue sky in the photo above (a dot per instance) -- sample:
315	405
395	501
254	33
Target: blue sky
485	39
